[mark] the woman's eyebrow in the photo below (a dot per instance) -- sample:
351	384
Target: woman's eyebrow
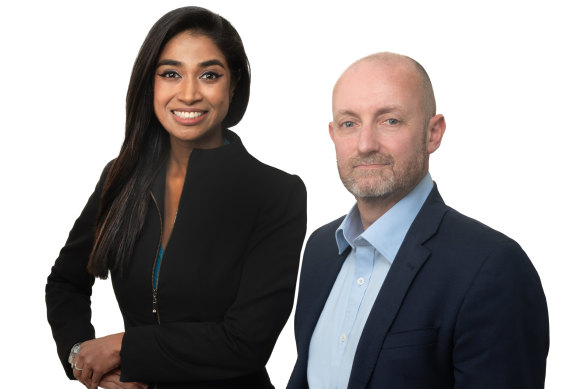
204	64
168	62
211	62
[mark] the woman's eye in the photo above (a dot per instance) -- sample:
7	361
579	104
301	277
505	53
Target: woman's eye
211	75
392	122
169	74
348	124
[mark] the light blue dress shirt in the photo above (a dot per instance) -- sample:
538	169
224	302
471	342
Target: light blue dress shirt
336	335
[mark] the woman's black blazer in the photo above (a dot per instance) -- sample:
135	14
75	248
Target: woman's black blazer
226	281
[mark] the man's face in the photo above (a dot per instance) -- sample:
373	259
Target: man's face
379	129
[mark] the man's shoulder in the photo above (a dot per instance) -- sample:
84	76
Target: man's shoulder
463	243
469	229
462	238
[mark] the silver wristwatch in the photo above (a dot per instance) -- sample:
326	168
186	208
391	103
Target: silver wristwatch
73	353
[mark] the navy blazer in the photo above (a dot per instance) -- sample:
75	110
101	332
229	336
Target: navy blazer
461	307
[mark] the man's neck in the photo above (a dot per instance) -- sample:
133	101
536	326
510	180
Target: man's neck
372	209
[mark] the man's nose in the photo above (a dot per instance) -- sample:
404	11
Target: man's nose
190	91
368	139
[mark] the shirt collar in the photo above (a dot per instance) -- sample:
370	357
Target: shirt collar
386	233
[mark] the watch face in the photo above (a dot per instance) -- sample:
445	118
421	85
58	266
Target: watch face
73	353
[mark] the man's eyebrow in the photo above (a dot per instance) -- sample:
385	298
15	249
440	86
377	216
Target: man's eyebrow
388	109
380	111
347	112
204	64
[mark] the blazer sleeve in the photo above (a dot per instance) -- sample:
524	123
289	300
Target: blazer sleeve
501	338
69	285
242	342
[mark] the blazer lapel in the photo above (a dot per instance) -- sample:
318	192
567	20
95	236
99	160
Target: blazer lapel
325	278
158	189
410	258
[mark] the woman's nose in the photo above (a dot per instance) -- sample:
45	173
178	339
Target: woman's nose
190	91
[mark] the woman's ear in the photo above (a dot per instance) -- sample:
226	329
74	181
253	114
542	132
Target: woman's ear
234	82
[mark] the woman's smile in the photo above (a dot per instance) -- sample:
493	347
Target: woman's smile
189	118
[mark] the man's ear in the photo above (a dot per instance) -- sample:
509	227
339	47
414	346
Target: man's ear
331	131
436	128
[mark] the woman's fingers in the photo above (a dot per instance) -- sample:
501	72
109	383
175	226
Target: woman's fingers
96	358
112	381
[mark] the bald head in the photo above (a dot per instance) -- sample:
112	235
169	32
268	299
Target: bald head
407	68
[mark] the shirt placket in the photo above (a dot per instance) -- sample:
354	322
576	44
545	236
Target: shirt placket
359	280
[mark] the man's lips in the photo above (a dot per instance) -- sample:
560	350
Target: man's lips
371	165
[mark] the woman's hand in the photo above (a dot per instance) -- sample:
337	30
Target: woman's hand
96	358
112	381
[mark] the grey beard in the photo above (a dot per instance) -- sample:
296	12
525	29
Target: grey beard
375	190
397	184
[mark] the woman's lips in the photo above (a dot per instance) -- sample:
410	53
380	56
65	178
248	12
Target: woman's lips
189	117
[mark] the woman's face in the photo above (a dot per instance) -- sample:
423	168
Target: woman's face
192	90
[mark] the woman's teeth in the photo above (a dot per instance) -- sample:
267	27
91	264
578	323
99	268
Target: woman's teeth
187	115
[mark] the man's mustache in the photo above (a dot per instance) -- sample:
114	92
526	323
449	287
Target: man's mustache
373	159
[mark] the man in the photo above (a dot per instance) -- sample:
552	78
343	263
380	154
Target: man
405	292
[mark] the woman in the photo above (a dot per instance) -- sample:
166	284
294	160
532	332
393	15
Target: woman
201	240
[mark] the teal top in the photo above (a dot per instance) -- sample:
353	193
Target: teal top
157	266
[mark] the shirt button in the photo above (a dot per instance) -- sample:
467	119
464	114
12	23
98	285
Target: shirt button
343	338
360	281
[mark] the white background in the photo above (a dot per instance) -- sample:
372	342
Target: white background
507	77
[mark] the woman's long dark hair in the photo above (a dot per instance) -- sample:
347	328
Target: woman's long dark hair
125	195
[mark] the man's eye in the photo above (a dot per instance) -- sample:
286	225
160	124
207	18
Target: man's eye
210	75
347	124
392	122
169	74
